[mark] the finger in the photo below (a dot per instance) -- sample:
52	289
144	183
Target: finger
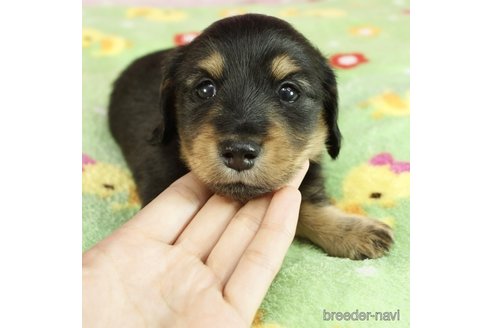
262	259
237	236
203	232
241	230
168	214
296	180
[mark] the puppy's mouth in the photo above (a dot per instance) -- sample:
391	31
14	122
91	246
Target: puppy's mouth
239	191
236	170
242	186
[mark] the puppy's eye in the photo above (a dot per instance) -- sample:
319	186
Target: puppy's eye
288	93
206	89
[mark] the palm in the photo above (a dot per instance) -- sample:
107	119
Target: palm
184	271
167	287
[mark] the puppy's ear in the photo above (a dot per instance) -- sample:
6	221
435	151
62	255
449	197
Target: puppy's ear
165	130
330	103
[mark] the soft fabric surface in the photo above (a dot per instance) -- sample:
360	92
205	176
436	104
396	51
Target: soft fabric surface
368	44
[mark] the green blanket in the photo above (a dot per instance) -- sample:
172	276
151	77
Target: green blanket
368	44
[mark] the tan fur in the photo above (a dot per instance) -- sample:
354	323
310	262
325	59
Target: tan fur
197	153
343	235
316	145
213	64
201	155
282	66
278	155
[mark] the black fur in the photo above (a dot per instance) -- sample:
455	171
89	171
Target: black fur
133	115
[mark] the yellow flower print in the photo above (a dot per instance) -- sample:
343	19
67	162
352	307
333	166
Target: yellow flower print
155	14
140	12
325	12
389	104
168	16
105	44
365	31
105	180
383	181
90	36
369	184
232	12
290	12
111	45
319	12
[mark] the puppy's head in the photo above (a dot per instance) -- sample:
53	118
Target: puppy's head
250	100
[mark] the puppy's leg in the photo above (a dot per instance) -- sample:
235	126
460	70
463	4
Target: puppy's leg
338	233
343	235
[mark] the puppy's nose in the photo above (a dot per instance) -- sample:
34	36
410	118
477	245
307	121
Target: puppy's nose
239	156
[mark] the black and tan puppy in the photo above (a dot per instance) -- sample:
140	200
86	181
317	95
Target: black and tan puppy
242	106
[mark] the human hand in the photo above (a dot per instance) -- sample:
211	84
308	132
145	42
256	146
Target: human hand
190	259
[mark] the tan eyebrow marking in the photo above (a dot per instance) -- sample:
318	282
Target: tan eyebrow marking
282	66
213	64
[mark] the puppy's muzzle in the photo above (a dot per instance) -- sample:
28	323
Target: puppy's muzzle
239	156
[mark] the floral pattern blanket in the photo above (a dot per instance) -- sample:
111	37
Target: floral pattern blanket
367	42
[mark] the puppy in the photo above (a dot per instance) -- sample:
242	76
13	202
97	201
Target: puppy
242	106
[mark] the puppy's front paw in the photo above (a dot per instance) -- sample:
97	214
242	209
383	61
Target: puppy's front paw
365	238
344	235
